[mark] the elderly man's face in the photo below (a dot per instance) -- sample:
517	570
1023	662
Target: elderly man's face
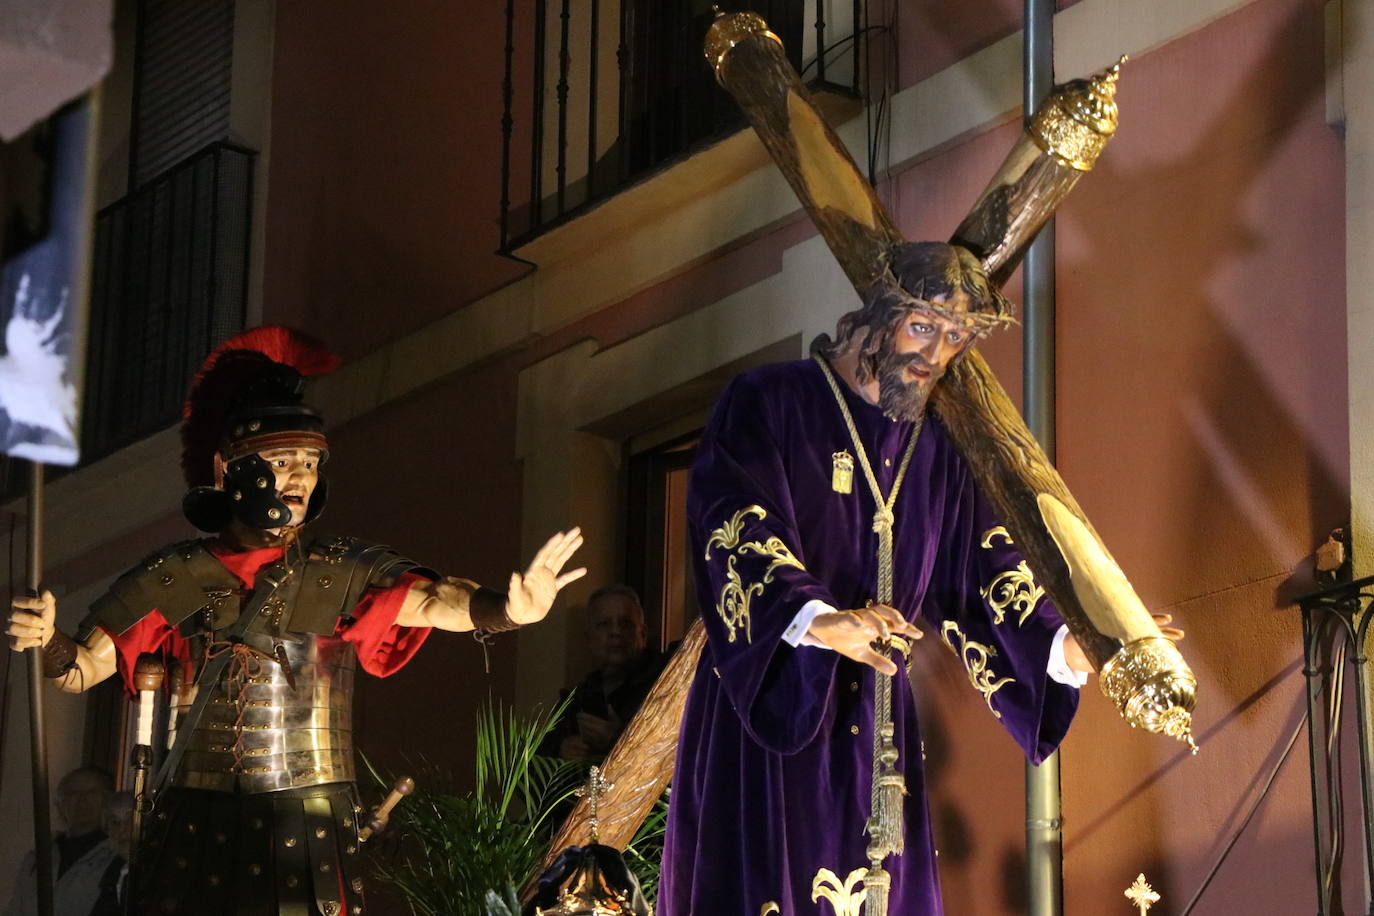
615	630
923	346
81	802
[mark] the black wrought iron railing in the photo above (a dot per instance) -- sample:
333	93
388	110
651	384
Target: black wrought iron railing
614	90
169	282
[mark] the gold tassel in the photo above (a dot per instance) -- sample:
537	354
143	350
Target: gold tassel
877	884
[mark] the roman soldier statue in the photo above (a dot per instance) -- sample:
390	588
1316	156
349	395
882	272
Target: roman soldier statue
261	626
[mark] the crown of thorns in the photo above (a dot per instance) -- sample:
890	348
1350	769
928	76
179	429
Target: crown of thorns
994	309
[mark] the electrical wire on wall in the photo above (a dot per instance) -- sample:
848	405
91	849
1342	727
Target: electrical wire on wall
1334	710
830	49
877	115
1249	815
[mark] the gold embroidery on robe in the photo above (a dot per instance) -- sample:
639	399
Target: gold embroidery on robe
975	657
1011	589
769	907
999	532
735	596
727	535
775	548
847	898
734	602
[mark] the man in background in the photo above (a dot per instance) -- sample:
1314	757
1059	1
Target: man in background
80	853
114	882
607	698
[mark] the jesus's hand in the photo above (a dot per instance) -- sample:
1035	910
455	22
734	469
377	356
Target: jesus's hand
852	633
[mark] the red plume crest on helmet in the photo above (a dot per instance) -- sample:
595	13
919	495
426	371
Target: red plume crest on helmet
228	369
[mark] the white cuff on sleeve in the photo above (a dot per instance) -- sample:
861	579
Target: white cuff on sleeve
796	635
1058	668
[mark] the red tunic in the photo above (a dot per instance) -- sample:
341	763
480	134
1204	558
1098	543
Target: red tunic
383	647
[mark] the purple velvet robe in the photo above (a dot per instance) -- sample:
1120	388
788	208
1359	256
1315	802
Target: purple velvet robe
774	763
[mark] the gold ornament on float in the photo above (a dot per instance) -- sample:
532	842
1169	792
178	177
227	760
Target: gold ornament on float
1142	895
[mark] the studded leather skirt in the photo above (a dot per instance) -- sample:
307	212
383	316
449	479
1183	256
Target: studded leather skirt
293	852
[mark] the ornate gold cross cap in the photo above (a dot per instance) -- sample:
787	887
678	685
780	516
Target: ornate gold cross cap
1078	119
728	30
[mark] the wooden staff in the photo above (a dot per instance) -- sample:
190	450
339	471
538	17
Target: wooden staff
1142	671
148	675
38	730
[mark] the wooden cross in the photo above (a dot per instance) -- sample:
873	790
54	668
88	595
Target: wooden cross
592	790
1142	895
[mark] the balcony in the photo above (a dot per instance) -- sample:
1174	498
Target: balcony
611	92
169	282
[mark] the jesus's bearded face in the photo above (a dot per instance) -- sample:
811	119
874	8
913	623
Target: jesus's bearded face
923	345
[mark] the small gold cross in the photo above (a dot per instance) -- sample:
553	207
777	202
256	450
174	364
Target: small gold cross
1142	895
594	788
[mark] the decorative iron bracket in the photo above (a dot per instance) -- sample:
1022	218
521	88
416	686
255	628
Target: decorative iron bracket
1346	606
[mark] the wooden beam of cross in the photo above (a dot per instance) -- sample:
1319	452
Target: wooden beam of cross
640	764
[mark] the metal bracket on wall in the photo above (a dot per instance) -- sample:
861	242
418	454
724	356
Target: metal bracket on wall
1335	624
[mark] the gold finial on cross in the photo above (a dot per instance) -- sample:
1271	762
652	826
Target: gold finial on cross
592	790
1142	895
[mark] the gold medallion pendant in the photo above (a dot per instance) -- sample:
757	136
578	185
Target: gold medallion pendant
842	472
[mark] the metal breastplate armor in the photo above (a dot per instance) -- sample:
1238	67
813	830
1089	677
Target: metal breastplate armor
261	732
280	716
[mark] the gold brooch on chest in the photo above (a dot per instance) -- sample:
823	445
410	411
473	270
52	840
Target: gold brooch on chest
842	472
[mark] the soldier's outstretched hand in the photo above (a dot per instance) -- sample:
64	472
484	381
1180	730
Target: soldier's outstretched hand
531	595
32	621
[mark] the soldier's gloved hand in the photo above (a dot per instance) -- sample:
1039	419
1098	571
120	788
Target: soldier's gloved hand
851	633
32	621
531	595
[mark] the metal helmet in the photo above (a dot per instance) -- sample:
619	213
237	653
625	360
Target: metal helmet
246	399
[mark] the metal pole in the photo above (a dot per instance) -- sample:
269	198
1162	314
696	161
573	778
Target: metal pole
1316	756
1044	815
1359	660
38	737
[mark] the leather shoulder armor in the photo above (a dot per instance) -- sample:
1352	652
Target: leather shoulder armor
178	581
339	570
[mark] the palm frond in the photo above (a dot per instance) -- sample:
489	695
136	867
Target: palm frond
447	850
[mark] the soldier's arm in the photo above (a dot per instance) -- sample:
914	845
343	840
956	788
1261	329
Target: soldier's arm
73	666
460	604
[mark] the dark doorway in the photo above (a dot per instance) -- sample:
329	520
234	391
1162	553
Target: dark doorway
658	555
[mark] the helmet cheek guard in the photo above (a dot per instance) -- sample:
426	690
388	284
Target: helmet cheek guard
252	489
243	497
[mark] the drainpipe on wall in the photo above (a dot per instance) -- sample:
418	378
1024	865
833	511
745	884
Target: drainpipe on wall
1044	833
